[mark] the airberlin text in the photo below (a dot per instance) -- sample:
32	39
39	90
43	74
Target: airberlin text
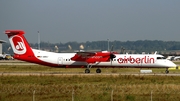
93	57
132	60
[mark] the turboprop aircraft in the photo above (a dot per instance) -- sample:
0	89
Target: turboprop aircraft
23	51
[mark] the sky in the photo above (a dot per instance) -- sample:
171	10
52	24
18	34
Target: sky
91	20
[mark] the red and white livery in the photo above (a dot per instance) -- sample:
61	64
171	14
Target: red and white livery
23	51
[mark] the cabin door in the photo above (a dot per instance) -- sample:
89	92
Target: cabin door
60	60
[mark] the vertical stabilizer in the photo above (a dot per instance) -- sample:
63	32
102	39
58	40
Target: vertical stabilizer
20	46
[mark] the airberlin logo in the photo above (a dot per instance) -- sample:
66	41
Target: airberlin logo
145	59
18	44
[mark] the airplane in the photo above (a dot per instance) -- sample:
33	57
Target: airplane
23	51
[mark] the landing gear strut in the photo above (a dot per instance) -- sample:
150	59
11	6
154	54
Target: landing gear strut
87	70
167	71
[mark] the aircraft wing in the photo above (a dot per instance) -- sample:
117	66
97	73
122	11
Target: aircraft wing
92	57
82	56
85	54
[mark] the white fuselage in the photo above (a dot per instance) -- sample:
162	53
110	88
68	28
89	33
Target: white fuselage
121	60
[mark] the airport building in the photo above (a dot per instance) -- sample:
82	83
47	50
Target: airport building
1	41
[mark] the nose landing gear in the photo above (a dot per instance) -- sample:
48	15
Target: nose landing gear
166	71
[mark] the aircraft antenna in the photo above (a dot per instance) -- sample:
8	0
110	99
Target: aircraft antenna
112	56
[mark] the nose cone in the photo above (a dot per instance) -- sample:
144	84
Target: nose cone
171	64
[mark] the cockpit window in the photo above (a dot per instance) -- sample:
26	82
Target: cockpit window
161	58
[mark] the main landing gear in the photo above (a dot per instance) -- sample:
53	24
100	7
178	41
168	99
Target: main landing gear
98	70
87	70
166	71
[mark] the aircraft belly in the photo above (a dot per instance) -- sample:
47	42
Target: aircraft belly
48	60
78	63
115	64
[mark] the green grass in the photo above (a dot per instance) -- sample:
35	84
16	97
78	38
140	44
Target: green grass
87	88
90	88
44	69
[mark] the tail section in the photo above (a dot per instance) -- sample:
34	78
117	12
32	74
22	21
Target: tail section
20	46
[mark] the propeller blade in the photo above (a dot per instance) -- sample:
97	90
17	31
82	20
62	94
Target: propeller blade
112	56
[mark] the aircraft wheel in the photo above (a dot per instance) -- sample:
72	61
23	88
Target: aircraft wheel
166	71
98	70
87	71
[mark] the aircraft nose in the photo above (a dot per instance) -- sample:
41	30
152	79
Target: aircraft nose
171	64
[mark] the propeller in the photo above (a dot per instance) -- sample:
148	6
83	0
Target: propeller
112	56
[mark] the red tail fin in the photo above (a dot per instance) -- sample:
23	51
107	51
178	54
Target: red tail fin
20	46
